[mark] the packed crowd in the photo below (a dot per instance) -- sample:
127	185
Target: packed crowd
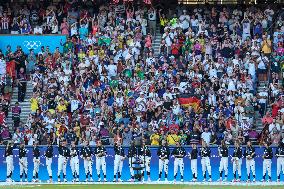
107	84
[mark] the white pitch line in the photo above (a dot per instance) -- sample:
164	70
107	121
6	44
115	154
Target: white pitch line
149	183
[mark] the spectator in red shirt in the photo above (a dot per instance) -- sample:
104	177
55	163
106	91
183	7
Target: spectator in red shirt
2	116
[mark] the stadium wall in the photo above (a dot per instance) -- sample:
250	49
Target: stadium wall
215	162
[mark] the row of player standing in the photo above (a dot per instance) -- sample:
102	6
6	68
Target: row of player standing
163	153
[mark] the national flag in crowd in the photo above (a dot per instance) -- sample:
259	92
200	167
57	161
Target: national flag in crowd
188	100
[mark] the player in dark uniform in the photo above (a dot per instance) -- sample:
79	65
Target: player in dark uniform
267	160
118	160
163	154
224	153
179	153
237	161
48	160
100	153
144	151
23	162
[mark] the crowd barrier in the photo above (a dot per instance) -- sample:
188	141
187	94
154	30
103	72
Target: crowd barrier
35	42
215	162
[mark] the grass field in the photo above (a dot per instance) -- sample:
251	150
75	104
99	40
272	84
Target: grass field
130	186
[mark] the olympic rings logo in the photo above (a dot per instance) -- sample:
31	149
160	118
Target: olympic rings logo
32	44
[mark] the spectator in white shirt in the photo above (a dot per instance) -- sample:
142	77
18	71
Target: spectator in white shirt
206	135
184	19
38	30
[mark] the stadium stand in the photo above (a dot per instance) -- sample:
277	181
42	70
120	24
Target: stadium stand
130	71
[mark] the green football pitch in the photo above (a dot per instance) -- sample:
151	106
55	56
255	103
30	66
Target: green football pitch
130	186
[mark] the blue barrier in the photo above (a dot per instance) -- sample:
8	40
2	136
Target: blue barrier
35	42
215	162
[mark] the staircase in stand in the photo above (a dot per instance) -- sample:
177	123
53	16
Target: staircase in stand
262	87
157	42
25	106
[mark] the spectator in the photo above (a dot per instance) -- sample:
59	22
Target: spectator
16	112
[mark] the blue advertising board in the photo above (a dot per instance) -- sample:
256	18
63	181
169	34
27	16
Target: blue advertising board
215	162
35	42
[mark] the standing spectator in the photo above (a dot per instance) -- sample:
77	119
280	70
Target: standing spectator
206	135
22	85
64	27
16	114
152	21
5	21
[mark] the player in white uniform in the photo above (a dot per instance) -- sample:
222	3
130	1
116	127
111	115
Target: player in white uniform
280	159
9	160
132	153
23	162
223	153
145	155
179	153
86	154
237	162
193	162
36	160
64	154
163	154
267	160
118	161
205	154
74	161
250	163
48	161
100	153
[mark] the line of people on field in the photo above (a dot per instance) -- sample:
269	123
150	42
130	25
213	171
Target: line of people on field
143	152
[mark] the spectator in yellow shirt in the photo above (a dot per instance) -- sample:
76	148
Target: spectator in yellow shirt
34	104
61	107
155	138
266	46
172	138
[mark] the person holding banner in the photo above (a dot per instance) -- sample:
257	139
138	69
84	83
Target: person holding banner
237	161
164	154
23	162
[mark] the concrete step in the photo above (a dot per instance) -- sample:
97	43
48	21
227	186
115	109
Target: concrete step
25	106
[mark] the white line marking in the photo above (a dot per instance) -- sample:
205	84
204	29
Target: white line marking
30	184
